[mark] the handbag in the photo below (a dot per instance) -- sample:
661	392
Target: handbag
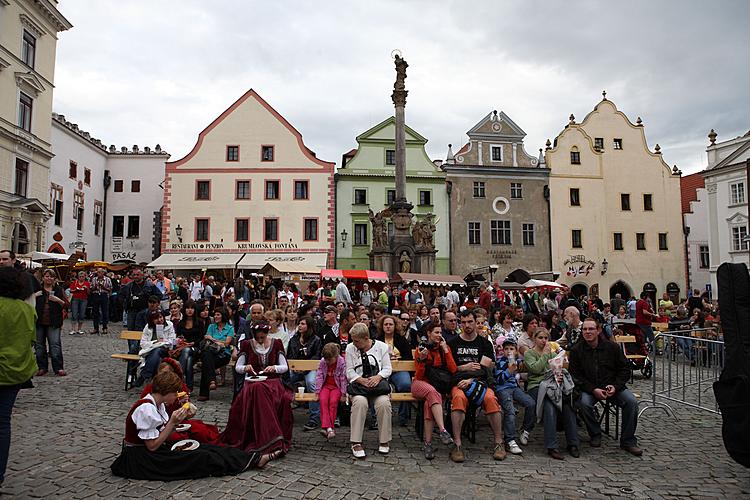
381	389
212	347
438	377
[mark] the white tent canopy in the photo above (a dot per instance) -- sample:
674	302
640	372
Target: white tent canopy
37	256
196	261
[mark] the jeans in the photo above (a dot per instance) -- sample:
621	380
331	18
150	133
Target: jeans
549	420
506	397
78	309
51	335
309	378
153	359
687	348
187	359
99	310
402	382
211	361
625	400
648	333
7	400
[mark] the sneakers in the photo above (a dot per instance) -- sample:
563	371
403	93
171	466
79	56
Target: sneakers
499	453
445	437
337	423
457	455
513	447
61	373
429	451
310	426
524	440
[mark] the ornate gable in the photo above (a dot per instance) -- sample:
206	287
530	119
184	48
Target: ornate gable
496	126
28	82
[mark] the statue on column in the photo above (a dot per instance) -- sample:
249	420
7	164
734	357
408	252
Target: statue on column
424	232
399	87
405	261
379	228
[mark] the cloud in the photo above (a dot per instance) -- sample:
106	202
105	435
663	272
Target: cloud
143	72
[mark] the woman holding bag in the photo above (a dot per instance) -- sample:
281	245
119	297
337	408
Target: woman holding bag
368	366
435	368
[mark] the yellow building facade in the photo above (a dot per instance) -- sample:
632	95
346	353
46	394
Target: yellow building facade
616	222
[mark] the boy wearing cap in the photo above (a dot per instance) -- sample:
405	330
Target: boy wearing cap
507	391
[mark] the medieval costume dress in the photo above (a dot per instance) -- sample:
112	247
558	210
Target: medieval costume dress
260	419
145	421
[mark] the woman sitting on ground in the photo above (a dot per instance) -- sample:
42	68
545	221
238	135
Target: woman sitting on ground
157	340
148	425
260	418
216	351
432	358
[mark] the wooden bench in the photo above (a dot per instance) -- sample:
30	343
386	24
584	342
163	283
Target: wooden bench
128	335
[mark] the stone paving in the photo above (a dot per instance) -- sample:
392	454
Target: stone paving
67	431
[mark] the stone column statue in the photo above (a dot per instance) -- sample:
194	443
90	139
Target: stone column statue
405	261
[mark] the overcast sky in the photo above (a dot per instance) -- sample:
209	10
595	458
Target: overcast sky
146	72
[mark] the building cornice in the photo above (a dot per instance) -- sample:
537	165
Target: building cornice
26	140
29	23
483	170
50	12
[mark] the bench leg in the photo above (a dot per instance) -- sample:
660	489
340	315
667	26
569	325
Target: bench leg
419	424
127	375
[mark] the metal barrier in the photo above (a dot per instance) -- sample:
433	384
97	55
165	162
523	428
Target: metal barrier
684	373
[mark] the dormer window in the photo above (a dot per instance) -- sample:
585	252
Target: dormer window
575	157
599	143
267	153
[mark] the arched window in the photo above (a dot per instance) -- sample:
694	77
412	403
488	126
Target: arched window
21	244
575	156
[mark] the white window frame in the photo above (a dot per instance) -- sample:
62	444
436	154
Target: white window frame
528	228
499	229
516	187
477	229
479	190
738	242
703	251
735	190
492	152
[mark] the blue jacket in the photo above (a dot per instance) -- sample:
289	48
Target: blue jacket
503	377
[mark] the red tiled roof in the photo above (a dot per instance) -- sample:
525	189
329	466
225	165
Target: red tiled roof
464	149
688	189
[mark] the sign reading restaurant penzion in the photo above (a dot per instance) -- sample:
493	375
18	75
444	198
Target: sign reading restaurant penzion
238	246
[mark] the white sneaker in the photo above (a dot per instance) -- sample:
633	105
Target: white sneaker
384	449
514	448
524	438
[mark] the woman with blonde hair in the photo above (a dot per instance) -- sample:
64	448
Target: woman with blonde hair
276	318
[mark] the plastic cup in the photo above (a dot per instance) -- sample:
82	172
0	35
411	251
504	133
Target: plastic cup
300	390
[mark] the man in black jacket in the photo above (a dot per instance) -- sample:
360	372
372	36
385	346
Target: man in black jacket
600	370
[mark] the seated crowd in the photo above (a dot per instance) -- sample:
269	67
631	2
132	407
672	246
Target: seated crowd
466	358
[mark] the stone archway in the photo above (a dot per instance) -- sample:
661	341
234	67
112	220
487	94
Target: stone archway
579	289
622	288
21	239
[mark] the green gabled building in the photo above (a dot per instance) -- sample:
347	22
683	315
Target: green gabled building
365	181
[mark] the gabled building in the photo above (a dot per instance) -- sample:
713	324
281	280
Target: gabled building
615	209
727	185
366	182
499	206
695	217
249	192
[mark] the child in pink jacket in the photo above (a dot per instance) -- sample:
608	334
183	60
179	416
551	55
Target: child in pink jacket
330	384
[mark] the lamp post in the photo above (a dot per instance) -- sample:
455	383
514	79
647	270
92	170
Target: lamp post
344	234
493	270
178	232
605	266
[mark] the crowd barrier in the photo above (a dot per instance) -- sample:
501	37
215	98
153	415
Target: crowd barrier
685	370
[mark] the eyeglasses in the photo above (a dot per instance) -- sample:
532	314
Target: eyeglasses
405	319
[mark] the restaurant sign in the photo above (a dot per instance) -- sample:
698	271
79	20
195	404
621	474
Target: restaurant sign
578	265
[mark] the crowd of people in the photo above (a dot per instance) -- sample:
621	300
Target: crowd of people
548	354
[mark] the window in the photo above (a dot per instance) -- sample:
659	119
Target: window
79	219
575	158
241	229
739	233
97	223
202	190
528	234
475	233
25	107
516	190
648	202
135	186
598	143
242	190
233	153
360	234
271	229
22	177
500	232
576	239
59	212
134	226
311	229
272	190
737	193
301	190
201	229
87	176
28	49
703	257
625	201
575	197
663	241
360	197
479	190
425	197
118	186
390	196
640	241
73	171
118	225
266	153
617	144
497	153
390	157
617	243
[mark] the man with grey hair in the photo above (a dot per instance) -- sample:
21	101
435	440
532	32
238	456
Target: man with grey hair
573	320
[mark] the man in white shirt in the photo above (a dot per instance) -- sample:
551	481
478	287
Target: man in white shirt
196	288
342	293
452	298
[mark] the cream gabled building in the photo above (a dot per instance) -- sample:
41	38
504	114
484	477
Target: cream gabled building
28	42
613	199
249	193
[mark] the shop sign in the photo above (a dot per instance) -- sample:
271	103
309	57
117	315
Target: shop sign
501	257
578	265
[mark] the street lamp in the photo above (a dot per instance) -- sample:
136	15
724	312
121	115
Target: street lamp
178	232
493	270
605	266
344	234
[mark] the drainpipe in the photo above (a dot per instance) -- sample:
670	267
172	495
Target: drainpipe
549	228
106	182
449	189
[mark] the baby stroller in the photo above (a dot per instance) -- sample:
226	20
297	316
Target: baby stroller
636	352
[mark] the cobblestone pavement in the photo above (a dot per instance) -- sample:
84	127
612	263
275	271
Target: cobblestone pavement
66	432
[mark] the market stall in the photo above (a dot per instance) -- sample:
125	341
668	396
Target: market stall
431	280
